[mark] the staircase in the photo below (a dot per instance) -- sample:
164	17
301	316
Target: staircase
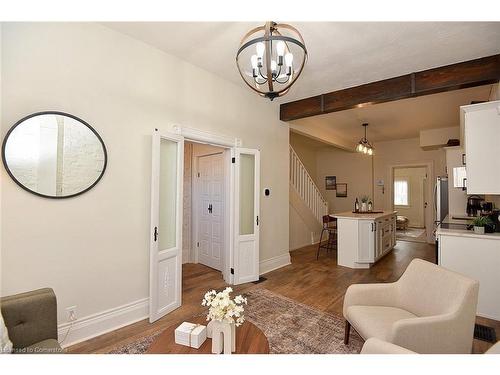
307	202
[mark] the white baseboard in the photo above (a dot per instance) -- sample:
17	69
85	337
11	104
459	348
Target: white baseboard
274	263
103	322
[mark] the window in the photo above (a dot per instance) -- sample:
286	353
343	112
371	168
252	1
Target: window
401	192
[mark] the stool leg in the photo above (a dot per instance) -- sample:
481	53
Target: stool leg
319	245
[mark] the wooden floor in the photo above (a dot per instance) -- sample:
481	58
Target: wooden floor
320	284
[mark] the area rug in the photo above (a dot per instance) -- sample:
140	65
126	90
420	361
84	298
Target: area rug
411	234
295	328
290	328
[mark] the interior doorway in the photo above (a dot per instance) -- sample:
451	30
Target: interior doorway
205	223
410	200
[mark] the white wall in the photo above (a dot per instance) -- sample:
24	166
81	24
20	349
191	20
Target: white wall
300	234
351	168
94	249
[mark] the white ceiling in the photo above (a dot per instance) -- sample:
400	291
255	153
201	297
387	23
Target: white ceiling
398	119
341	54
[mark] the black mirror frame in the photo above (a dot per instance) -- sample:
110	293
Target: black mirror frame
4	143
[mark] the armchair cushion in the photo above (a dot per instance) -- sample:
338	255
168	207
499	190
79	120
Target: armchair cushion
375	321
30	317
49	346
376	346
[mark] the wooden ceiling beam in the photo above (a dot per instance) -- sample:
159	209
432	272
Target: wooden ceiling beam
478	72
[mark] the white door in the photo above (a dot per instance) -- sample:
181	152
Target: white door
165	274
246	215
211	210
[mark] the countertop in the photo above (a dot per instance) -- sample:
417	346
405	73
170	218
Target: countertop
351	215
467	233
463	219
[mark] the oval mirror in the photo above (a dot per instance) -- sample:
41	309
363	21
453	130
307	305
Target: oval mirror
54	155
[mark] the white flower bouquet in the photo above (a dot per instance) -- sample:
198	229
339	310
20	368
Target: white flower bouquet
224	309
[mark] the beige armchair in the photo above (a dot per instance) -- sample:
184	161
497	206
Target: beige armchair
376	346
428	310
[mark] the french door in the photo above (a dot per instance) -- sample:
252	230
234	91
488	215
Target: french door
165	280
246	215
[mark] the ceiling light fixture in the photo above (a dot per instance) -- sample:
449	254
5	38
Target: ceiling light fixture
271	58
363	145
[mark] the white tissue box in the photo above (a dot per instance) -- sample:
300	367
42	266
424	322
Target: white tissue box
190	334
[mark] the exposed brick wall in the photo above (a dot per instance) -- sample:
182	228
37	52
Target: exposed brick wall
83	158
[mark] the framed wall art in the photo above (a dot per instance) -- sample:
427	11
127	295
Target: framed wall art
341	190
331	182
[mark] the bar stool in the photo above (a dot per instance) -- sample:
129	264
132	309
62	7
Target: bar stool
330	226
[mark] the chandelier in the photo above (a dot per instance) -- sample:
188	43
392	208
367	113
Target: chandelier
271	58
363	145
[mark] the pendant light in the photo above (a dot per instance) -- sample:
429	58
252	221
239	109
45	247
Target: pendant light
363	145
271	58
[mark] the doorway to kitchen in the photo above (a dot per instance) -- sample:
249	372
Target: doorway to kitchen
410	195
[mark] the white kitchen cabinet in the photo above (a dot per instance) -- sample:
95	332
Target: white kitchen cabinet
478	257
480	135
367	241
364	238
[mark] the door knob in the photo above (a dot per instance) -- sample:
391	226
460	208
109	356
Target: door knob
210	208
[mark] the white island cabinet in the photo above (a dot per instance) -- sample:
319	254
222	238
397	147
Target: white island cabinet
362	239
478	257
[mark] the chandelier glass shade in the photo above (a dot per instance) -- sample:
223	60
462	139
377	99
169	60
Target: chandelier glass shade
271	58
363	145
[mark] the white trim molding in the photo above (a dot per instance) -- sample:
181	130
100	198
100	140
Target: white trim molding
103	322
274	263
206	137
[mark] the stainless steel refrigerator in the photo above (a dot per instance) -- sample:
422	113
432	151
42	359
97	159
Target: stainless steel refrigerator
440	205
441	198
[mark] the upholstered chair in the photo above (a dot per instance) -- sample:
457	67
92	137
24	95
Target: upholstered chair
376	346
31	320
428	310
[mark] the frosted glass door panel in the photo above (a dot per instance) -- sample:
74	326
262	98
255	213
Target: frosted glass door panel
247	193
168	194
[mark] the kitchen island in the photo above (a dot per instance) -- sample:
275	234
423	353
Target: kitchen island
362	239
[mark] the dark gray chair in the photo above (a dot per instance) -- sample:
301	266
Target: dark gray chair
31	320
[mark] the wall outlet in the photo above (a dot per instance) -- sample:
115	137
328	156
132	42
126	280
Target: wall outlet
71	311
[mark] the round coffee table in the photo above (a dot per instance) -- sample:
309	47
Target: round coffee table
249	340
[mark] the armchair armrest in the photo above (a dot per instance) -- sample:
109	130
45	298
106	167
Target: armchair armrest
383	294
439	334
30	317
377	346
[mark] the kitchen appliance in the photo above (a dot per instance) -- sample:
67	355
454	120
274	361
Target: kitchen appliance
486	208
440	205
495	219
474	203
441	198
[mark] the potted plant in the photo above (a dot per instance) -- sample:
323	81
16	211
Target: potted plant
364	203
479	223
